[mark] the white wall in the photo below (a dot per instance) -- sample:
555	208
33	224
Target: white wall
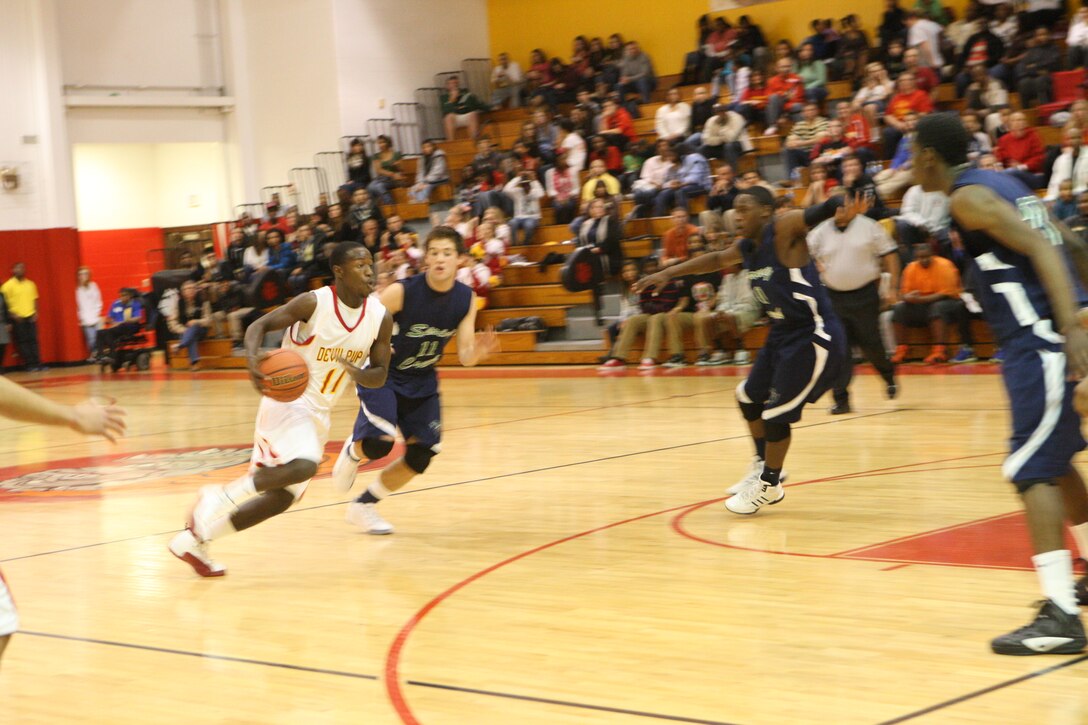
137	185
32	131
138	42
385	49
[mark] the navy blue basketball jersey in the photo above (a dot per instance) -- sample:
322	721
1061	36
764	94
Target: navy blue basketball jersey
426	322
792	298
1013	300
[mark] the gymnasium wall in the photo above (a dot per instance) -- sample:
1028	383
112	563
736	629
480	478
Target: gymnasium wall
385	49
665	30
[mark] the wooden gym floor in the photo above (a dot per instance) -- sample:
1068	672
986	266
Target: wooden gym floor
566	559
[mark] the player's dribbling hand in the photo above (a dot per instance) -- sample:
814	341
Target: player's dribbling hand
1076	352
654	281
255	375
487	342
94	419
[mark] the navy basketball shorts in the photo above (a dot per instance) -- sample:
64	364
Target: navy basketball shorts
382	411
1045	428
793	368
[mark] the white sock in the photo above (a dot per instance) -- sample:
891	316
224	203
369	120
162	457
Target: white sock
1055	570
1080	535
241	490
221	527
378	489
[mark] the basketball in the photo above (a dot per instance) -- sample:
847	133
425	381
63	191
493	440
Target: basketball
287	375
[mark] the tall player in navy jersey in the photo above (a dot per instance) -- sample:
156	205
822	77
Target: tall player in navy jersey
806	344
1028	299
428	310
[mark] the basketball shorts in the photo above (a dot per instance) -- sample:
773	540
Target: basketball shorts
9	618
287	431
383	410
1045	428
791	369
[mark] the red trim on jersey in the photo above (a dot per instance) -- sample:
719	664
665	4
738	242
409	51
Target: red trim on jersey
336	308
305	342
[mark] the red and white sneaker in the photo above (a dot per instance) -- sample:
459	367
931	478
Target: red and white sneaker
193	552
612	363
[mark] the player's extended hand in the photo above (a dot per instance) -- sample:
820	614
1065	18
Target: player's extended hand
95	419
656	281
255	375
1076	352
487	342
858	204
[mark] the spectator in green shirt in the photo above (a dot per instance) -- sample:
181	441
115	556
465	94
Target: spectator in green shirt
460	108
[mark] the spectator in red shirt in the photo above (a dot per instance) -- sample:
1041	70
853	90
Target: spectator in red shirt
924	76
610	155
1021	152
786	94
616	124
753	102
909	97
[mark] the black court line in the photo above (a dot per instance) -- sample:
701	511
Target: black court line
984	691
567	703
201	655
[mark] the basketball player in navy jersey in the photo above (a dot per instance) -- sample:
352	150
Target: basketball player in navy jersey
806	344
428	310
1028	298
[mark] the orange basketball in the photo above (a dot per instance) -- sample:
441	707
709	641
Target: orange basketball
286	375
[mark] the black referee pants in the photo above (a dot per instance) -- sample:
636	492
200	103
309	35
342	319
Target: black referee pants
859	311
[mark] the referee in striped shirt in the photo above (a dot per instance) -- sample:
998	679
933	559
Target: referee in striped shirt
851	252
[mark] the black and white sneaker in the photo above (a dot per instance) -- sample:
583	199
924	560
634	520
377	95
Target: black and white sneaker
676	361
1081	587
1054	632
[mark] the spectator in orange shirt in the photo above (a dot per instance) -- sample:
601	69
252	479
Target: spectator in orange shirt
753	101
785	94
674	244
1022	153
930	294
908	97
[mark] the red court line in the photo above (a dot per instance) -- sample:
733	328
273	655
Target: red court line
392	660
852	552
893	568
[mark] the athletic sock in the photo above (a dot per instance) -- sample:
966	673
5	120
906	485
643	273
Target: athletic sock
221	527
1055	570
771	475
241	490
761	447
1080	535
374	493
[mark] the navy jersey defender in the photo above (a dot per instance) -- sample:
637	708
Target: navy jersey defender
806	344
1029	300
428	310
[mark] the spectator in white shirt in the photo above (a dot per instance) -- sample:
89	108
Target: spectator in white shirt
526	192
1071	165
925	35
652	177
89	308
672	121
572	144
506	82
1076	42
921	214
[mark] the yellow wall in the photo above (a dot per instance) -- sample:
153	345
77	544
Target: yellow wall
665	28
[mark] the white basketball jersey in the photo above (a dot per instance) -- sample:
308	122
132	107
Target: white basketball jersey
334	330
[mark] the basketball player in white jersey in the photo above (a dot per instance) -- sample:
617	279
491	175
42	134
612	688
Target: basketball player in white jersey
18	403
335	329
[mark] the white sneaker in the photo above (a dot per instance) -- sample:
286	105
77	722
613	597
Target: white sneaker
345	468
742	358
186	547
751	479
753	498
721	358
648	363
367	518
211	503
